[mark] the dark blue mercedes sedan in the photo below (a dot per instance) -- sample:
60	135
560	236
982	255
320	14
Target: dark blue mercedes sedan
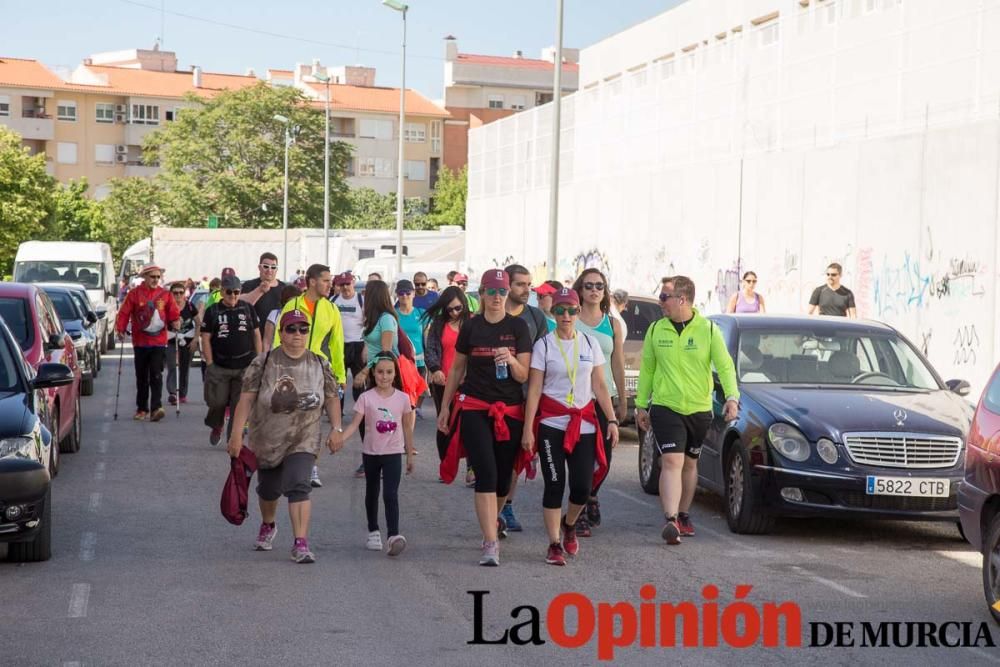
837	417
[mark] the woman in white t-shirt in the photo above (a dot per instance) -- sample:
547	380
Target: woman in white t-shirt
566	375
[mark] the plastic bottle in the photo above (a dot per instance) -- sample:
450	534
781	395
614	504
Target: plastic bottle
502	371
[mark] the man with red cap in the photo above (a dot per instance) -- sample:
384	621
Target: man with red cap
150	309
545	292
461	280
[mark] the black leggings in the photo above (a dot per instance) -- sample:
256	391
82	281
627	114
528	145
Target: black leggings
386	468
437	391
149	377
554	460
602	419
492	460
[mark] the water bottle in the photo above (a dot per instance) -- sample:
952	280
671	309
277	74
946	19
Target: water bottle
502	372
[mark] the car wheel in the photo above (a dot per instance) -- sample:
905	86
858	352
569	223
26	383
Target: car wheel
649	463
97	363
87	386
991	568
56	447
72	442
743	512
110	342
40	548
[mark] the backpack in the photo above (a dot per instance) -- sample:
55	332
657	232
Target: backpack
146	316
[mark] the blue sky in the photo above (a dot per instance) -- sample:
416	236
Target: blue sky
369	33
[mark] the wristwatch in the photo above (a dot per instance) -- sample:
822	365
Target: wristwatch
613	421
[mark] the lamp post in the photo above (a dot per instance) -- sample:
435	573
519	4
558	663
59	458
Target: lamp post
324	78
284	217
402	8
556	113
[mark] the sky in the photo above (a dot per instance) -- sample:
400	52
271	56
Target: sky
60	33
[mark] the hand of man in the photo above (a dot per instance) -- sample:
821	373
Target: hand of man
235	443
621	412
335	441
731	411
642	419
443	419
409	462
613	435
438	378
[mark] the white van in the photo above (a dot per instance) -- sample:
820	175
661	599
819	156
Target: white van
89	264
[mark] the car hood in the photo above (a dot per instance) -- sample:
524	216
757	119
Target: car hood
15	418
829	412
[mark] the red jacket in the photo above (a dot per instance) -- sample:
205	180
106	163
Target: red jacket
137	298
235	494
549	407
456	450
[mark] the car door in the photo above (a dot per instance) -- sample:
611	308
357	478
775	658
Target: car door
66	354
710	462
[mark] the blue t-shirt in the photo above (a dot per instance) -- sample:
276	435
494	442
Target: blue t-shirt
424	302
413	326
373	340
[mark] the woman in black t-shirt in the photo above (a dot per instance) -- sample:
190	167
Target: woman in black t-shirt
492	361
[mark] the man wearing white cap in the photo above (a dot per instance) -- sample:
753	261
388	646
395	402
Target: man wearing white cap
150	309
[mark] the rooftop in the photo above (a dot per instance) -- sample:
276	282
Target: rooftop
508	61
374	99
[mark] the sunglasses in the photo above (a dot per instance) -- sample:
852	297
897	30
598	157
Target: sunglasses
420	284
462	284
752	282
832	275
666	297
404	293
456	309
494	291
269	267
594	286
156	277
180	293
297	329
231	292
565	310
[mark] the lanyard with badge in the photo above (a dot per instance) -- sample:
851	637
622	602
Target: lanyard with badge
571	372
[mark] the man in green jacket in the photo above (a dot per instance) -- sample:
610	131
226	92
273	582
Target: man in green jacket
674	397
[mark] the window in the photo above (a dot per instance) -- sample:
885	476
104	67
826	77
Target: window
104	153
105	113
4	105
366	166
416	170
415	133
66	152
638	78
667	68
375	167
435	136
517	102
542	98
372	128
170	115
827	14
769	34
145	114
66	110
495	102
870	6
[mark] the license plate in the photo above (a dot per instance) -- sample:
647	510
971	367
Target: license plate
927	487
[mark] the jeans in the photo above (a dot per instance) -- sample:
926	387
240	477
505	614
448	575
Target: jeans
148	378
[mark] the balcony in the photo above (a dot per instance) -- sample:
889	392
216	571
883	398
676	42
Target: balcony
136	168
342	128
34	127
135	133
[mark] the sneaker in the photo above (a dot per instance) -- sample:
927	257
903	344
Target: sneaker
314	479
374	542
491	554
583	526
671	532
513	524
420	415
215	437
158	414
140	415
594	512
396	545
569	542
184	400
172	399
359	472
555	555
265	538
470	478
501	528
301	553
685	525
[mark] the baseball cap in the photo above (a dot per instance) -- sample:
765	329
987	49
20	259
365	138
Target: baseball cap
565	296
230	281
293	317
404	285
461	278
344	278
545	289
228	271
494	278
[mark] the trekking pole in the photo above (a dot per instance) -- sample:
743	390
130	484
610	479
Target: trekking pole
118	387
177	365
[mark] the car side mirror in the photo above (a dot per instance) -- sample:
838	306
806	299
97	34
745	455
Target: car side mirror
92	316
52	375
101	311
55	341
960	387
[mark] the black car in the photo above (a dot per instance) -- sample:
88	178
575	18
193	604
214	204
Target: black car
81	325
28	455
837	417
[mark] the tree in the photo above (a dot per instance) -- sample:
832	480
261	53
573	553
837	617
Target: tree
367	209
75	217
225	156
130	210
450	194
25	196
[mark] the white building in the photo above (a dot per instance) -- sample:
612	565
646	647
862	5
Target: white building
775	135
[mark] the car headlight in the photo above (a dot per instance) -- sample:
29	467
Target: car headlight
19	447
789	442
827	450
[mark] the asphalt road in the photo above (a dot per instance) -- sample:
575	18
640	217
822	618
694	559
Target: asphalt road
146	571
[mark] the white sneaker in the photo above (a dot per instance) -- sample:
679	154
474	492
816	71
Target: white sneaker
374	542
396	545
314	479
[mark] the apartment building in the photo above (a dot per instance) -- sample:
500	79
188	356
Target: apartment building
480	89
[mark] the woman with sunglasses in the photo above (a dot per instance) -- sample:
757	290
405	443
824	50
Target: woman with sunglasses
181	345
444	320
566	374
595	319
492	359
748	300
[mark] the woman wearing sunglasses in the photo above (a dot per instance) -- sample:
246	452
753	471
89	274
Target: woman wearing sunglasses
747	300
492	358
595	319
566	373
444	320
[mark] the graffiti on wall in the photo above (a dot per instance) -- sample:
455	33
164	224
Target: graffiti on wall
913	283
727	283
966	345
591	259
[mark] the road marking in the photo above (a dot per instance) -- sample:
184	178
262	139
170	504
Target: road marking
78	600
840	588
88	543
632	498
107	413
102	446
970	558
105	428
75	663
99	471
95	502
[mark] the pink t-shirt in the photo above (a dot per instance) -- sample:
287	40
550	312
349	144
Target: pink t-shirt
383	421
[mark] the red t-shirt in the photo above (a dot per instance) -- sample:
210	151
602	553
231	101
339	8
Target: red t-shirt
448	339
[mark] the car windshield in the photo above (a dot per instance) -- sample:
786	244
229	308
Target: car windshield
65	306
8	368
88	274
845	358
81	301
15	313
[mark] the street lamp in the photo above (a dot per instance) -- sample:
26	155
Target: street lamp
284	220
324	78
556	113
402	8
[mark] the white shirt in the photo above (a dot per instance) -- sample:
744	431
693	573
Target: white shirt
352	316
546	357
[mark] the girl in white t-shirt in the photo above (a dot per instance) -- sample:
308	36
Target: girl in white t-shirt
388	418
566	375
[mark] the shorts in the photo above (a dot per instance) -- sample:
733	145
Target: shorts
290	478
674	432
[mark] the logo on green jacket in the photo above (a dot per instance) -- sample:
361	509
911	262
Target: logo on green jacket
690	344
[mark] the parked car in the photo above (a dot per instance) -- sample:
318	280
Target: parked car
979	494
640	313
36	327
838	417
28	452
80	325
80	296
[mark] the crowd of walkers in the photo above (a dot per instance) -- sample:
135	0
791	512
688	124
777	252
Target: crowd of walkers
517	389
